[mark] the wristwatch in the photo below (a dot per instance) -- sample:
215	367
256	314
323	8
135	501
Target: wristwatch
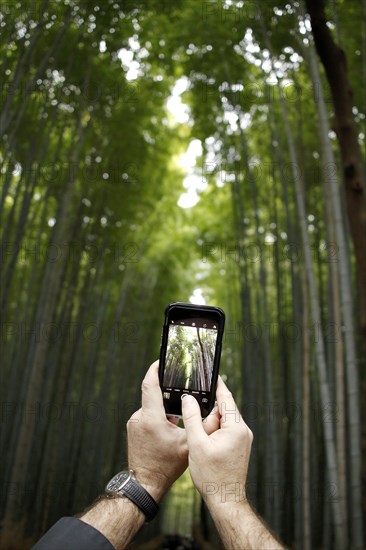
125	484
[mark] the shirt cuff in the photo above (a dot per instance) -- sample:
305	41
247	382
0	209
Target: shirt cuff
71	533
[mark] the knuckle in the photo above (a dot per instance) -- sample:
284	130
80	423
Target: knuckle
189	417
145	385
246	433
134	418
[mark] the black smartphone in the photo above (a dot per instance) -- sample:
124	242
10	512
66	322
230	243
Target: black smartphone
190	355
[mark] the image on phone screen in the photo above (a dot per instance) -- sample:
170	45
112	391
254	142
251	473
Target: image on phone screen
190	355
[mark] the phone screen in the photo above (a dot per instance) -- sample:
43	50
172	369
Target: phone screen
190	355
191	359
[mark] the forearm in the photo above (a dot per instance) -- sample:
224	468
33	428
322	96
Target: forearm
118	519
240	528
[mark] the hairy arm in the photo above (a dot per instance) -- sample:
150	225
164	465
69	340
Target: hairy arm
118	519
240	528
218	463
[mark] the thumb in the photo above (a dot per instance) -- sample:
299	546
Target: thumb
192	420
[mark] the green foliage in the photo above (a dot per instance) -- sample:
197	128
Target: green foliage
95	245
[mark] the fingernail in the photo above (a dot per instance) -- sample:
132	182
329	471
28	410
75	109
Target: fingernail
184	395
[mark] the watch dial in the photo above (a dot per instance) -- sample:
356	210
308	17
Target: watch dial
118	480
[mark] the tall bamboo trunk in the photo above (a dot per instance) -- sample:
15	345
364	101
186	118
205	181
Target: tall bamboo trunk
306	423
341	277
320	351
293	515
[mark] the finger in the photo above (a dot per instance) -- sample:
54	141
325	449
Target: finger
228	410
212	422
192	420
151	396
134	419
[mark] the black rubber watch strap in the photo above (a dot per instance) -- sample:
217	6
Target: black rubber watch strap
135	492
125	484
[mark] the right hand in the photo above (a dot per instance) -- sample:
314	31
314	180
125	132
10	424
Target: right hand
218	462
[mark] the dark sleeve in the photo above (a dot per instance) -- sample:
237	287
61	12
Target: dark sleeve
73	534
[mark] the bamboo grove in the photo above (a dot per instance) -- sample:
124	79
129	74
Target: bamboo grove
249	192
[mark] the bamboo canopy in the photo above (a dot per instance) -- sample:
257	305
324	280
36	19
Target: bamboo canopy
201	151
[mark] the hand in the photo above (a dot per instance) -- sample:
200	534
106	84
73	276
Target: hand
157	447
218	462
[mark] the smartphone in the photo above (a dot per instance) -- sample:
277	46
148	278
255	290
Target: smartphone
190	355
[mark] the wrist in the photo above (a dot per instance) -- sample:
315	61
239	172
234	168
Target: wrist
223	494
155	484
240	527
228	511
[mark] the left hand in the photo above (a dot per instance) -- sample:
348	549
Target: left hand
157	447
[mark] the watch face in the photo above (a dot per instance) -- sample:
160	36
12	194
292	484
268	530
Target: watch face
118	481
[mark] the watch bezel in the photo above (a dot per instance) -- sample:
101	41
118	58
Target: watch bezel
119	490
